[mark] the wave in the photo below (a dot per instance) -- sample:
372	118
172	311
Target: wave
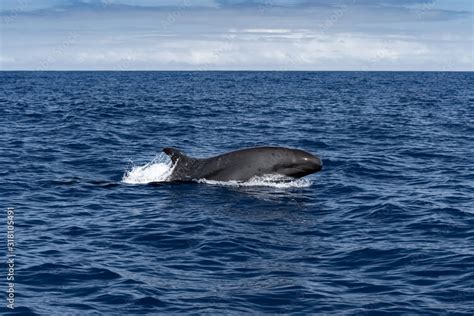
161	167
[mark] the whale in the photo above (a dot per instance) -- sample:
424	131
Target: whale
243	164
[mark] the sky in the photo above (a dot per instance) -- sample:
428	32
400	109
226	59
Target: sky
365	35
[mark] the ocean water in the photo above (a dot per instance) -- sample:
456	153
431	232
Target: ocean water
387	227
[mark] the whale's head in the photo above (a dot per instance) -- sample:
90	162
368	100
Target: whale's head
298	163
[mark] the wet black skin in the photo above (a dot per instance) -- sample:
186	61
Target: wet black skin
242	165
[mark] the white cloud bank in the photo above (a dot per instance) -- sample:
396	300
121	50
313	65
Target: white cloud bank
271	49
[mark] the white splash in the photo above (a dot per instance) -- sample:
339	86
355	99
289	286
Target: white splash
157	170
160	168
271	180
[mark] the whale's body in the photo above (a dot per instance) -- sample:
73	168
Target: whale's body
244	164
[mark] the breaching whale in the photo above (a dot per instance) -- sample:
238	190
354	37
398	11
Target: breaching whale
244	164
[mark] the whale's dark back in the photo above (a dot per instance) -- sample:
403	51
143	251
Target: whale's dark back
242	165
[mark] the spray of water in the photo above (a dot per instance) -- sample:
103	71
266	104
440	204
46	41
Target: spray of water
157	170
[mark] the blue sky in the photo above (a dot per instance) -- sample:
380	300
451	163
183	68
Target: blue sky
237	34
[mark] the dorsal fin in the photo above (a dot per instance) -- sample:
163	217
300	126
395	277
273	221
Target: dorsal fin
174	154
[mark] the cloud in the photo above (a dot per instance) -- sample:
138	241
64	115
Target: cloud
254	49
28	6
24	6
289	3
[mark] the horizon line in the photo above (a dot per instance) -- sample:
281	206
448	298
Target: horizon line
221	70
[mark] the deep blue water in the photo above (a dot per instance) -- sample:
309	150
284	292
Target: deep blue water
387	227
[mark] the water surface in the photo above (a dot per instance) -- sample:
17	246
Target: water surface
386	227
